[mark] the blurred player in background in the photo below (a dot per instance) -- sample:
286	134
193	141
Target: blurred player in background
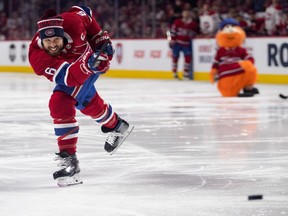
71	50
209	20
182	31
273	16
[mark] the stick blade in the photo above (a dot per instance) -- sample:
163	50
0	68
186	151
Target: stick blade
283	96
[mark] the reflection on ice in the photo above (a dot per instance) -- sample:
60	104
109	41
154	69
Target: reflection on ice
192	152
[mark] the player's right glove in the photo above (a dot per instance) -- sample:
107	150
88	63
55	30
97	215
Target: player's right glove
99	63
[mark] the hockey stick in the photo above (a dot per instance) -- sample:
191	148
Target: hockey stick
283	96
102	49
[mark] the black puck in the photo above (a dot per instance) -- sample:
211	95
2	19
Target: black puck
255	197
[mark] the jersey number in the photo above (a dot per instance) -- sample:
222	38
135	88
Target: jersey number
50	71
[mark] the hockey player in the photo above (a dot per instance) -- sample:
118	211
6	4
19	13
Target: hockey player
71	50
182	31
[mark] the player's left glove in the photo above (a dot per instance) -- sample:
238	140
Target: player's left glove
100	64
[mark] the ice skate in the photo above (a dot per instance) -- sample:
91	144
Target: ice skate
186	75
69	171
176	75
117	135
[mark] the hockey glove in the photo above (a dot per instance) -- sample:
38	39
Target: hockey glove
99	64
100	41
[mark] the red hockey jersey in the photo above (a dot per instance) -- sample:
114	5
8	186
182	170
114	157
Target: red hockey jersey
226	60
182	32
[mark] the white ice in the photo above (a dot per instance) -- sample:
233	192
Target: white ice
192	152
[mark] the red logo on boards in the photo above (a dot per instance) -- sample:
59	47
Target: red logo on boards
119	52
139	53
155	53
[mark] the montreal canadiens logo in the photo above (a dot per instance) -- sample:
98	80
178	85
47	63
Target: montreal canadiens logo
49	32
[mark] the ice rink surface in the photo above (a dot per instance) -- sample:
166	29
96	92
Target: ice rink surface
192	152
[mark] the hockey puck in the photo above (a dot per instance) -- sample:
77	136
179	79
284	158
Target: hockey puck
255	197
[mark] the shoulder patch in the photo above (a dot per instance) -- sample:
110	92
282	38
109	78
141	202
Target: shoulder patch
83	10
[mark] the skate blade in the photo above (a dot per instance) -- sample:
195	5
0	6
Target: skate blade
69	181
131	127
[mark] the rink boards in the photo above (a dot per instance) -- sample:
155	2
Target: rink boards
147	58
